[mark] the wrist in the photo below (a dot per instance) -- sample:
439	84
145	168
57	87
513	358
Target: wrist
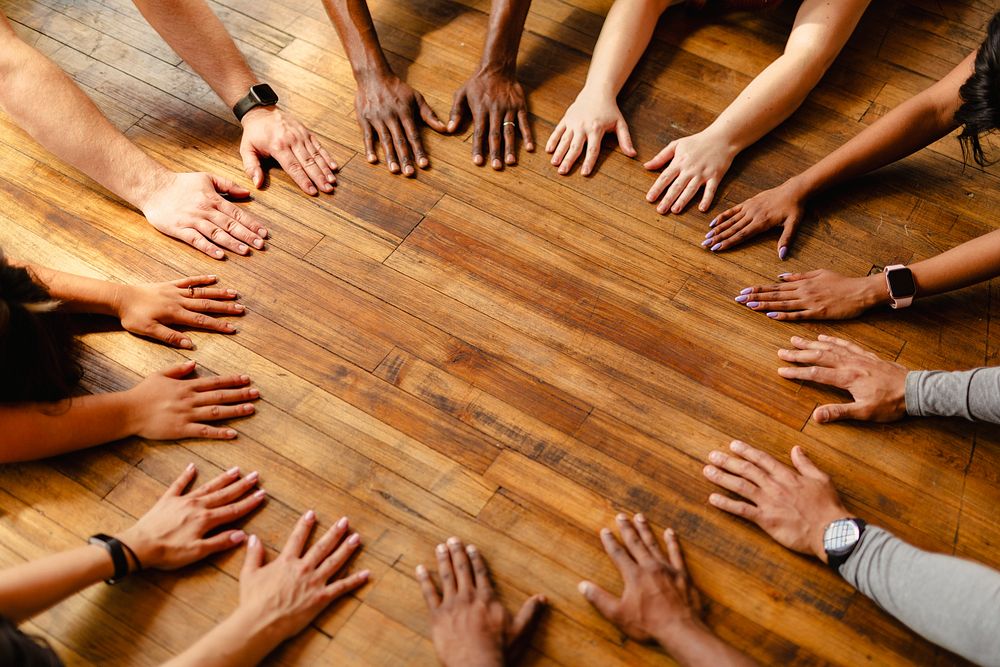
156	180
818	530
148	553
680	632
371	72
601	93
505	68
874	291
799	188
726	142
258	113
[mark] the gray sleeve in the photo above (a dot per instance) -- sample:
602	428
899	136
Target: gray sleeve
971	394
952	602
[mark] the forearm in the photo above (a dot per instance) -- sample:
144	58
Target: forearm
77	293
697	646
504	35
624	37
238	641
51	108
197	35
31	588
354	25
950	601
39	430
967	264
820	31
914	124
974	394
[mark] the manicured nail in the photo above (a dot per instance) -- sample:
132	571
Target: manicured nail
782	252
742	298
333	179
584	588
309	515
341	523
710	233
353	540
252	542
237	537
312	190
186	344
746	290
716	247
784	275
753	304
706	243
235	470
772	315
714	222
252	477
737	446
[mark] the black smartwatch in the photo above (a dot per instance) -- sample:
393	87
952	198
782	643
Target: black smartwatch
118	557
260	95
840	539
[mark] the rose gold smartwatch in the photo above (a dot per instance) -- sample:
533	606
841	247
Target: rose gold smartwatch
899	282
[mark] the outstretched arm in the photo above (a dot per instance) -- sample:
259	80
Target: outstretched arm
197	35
625	35
912	125
820	31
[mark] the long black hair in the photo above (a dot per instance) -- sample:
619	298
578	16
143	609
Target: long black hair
38	352
17	648
980	110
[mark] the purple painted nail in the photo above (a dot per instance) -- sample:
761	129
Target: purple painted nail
709	235
753	304
704	244
714	222
742	298
784	275
746	290
772	315
782	252
716	247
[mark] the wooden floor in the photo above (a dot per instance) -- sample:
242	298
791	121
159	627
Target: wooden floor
508	357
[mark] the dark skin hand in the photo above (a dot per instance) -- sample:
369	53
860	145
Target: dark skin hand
469	625
493	95
387	107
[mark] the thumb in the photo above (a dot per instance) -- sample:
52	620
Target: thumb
663	157
838	411
251	165
804	465
523	625
787	232
179	371
431	118
604	602
254	558
624	138
227	187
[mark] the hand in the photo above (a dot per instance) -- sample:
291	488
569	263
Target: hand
165	407
792	507
816	295
700	160
469	625
188	207
585	123
270	132
146	309
878	387
385	108
284	595
173	532
496	101
781	206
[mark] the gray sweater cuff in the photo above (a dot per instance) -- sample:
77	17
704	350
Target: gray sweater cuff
973	394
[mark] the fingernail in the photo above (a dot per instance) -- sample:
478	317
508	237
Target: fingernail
605	532
312	190
782	252
231	292
421	571
333	179
742	298
230	433
238	307
190	467
260	494
753	304
716	457
186	344
746	290
737	446
453	541
714	222
213	278
772	315
309	515
716	247
353	540
341	523
233	471
584	588
706	243
640	517
497	164
252	542
252	477
364	574
218	254
441	549
471	549
247	408
254	393
709	235
243	247
258	243
244	378
670	532
262	232
784	275
230	327
237	537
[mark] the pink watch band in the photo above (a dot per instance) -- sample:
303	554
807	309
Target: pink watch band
901	302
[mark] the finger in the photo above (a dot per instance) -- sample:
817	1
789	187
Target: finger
524	125
563	147
343	586
625	138
207	432
387	147
733	483
834	412
674	555
457	106
427	113
462	567
210	382
673	192
234	489
741	509
195	281
300	533
214	227
630	537
228	187
848	345
236	510
177	487
196	240
484	587
251	165
605	603
808	344
428	588
338	558
254	558
553	141
167	335
816	374
213	305
247	220
368	135
762	460
709	195
665	178
622	561
524	624
728	227
402	149
790	316
445	571
663	157
478	135
297	171
220	481
647	537
327	158
575	148
509	139
496	139
815	355
178	371
309	158
725	218
227	539
787	232
214	413
593	152
689	192
217	293
738	466
413	137
226	396
805	465
201	321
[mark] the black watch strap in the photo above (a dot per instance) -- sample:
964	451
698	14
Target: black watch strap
836	559
118	557
260	95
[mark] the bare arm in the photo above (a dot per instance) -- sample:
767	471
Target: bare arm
31	588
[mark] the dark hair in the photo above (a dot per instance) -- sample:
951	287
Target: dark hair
17	648
980	110
38	353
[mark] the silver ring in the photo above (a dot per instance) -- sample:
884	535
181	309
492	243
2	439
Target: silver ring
508	122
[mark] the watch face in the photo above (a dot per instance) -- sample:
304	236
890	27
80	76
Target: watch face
264	93
901	283
840	536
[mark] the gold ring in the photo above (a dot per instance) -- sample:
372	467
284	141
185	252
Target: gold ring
508	122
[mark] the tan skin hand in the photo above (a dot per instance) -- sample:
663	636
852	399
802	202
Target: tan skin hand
498	106
878	387
167	407
816	295
469	625
583	126
148	309
659	602
385	107
792	506
190	207
689	164
778	207
286	594
269	132
176	531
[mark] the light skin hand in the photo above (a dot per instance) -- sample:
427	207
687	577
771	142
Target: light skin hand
166	407
146	310
190	207
385	108
878	387
497	104
689	165
794	507
469	625
175	531
270	132
816	295
783	206
584	125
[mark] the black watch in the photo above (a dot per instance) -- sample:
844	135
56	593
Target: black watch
840	539
118	557
260	95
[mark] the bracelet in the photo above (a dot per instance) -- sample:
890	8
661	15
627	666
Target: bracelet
118	558
138	563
